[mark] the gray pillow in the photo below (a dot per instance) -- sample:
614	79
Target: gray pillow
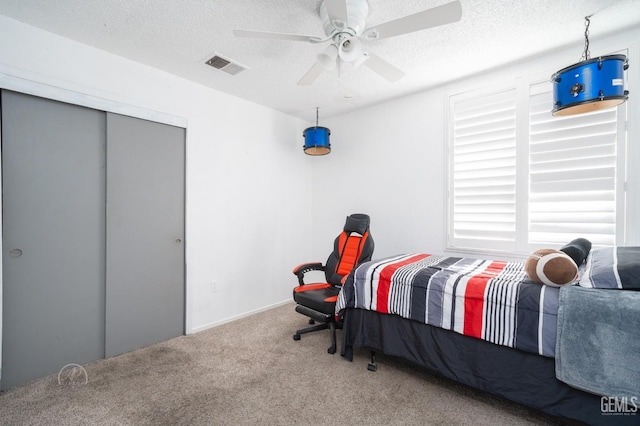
612	268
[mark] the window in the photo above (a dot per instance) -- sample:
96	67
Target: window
521	179
483	184
572	173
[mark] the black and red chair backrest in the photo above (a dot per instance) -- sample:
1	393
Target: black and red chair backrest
352	247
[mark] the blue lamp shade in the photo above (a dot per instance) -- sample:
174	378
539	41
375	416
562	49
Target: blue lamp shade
590	85
316	141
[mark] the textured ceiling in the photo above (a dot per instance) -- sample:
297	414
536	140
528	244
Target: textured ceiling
178	36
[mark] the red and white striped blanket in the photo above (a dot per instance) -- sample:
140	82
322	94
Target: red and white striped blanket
490	300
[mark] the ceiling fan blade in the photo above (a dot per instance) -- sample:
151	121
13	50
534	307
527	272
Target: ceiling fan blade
276	36
311	75
337	10
382	67
440	15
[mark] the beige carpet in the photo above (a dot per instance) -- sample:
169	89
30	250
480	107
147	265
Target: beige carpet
252	372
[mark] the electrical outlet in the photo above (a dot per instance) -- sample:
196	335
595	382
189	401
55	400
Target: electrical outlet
214	286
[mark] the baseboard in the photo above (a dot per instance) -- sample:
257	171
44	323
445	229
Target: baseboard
240	316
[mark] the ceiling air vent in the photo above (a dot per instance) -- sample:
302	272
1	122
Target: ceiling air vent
226	65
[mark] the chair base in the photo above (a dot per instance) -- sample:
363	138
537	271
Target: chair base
326	322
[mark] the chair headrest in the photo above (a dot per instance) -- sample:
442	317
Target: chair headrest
357	222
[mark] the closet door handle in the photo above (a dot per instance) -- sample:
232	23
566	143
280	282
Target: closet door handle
15	252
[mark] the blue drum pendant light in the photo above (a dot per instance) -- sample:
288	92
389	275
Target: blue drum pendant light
316	139
591	84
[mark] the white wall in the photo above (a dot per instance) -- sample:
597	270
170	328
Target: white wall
380	156
389	160
247	198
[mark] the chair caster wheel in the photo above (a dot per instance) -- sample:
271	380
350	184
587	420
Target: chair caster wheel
372	366
331	350
296	337
311	321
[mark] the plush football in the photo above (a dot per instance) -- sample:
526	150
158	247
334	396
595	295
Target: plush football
551	267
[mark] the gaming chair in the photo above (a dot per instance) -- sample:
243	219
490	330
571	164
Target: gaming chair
318	300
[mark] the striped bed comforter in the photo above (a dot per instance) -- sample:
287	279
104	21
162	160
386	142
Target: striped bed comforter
485	299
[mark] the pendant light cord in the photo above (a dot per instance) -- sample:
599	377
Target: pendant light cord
586	53
317	108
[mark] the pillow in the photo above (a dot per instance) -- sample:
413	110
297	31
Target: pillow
577	249
551	267
612	268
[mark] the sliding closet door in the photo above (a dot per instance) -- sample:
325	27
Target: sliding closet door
53	180
145	233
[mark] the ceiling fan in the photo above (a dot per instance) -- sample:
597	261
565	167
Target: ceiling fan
345	27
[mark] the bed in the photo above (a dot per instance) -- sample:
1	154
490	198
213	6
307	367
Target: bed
570	351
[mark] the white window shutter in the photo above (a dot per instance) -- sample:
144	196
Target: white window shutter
482	204
572	173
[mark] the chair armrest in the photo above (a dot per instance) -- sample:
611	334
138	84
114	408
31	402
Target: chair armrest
303	268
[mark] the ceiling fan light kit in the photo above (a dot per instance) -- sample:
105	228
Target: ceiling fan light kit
350	49
328	57
344	24
591	84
